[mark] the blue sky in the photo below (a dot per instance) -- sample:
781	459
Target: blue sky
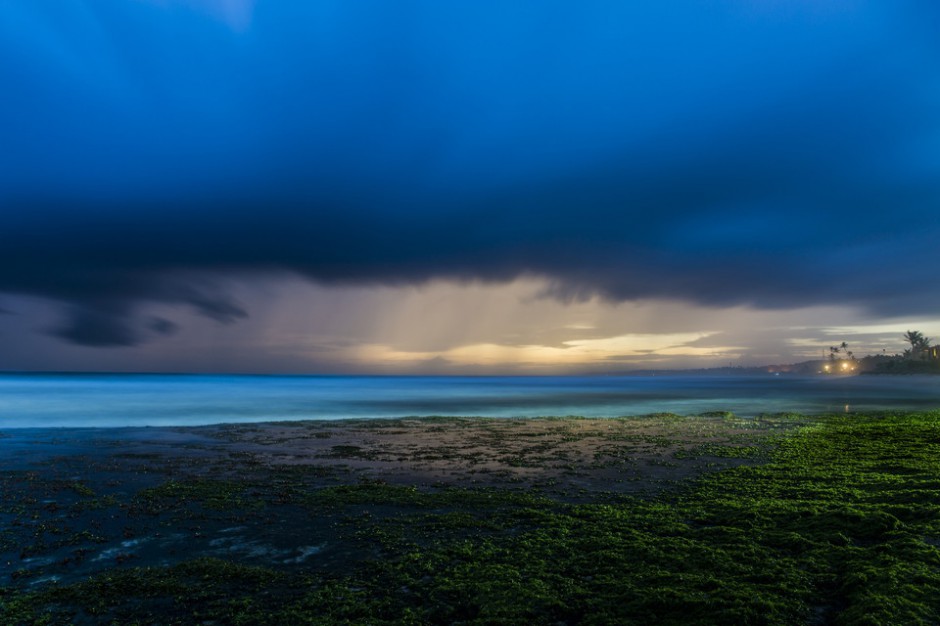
676	182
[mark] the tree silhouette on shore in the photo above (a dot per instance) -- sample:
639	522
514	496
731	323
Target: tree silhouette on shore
917	341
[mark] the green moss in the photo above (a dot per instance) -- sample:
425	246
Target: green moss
378	493
175	595
218	495
82	490
722	451
840	525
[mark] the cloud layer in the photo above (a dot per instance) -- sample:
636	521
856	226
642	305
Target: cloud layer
731	153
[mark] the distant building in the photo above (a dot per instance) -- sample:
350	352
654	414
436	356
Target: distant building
930	353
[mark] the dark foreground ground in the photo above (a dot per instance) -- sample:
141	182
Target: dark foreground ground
658	519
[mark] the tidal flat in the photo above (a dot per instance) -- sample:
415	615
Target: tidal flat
667	519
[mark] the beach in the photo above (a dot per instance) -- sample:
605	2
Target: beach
471	520
80	502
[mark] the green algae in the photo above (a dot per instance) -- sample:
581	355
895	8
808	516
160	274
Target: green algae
839	524
213	494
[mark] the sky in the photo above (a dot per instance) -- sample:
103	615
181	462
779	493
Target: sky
465	187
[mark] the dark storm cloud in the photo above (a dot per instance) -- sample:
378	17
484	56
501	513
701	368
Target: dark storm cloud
101	326
161	326
722	153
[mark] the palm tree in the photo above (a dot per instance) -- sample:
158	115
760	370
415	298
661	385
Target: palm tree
917	340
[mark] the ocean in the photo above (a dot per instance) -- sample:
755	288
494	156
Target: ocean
66	400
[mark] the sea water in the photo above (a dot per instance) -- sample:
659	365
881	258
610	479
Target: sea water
66	400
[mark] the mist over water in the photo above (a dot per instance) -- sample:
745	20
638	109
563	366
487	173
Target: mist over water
186	400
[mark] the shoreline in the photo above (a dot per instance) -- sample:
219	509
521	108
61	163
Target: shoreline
189	401
399	447
369	520
571	459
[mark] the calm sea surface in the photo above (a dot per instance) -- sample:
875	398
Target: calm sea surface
172	400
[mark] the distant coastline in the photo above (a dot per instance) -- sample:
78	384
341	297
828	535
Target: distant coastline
869	365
